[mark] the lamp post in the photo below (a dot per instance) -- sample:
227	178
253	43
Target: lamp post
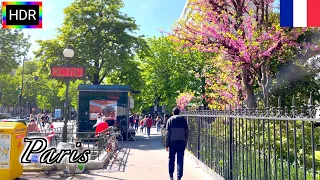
27	108
68	53
22	83
22	77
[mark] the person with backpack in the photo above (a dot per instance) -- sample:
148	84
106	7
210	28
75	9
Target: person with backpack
177	133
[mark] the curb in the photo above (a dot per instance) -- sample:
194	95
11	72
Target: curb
205	171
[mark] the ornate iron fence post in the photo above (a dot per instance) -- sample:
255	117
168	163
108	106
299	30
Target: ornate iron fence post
198	135
230	148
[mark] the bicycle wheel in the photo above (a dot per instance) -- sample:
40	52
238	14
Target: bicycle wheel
112	149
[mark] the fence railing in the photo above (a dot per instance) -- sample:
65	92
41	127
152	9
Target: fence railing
70	128
259	143
89	140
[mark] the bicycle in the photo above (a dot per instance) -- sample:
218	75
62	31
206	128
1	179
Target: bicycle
114	143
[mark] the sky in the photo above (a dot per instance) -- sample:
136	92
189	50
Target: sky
150	15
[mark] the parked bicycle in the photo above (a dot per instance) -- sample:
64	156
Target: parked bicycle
114	142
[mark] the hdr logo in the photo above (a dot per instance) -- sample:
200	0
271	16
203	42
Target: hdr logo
20	15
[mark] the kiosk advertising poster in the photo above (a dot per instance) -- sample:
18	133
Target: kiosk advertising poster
107	107
57	113
5	144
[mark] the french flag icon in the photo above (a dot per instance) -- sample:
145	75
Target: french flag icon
300	13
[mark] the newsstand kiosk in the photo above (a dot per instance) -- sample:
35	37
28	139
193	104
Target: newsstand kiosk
111	100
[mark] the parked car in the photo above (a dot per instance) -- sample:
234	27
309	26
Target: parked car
5	115
24	121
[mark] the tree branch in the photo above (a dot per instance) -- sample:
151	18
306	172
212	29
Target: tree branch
102	77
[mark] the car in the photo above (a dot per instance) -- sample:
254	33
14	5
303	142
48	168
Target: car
25	122
5	115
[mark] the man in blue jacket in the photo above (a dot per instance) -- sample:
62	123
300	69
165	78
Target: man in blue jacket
176	141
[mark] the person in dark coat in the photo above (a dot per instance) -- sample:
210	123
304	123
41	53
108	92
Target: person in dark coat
177	133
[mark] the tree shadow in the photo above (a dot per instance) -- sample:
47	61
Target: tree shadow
120	163
144	143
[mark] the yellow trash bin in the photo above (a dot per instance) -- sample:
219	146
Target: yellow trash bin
11	146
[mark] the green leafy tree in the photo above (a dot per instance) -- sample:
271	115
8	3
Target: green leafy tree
39	90
101	36
13	45
168	70
73	93
128	74
8	89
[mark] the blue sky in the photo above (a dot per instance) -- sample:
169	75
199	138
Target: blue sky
151	15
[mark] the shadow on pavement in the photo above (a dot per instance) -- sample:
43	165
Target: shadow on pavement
76	177
120	163
107	177
144	143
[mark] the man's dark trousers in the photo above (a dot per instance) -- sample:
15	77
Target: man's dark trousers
176	148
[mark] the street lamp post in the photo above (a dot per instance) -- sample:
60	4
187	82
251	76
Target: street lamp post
27	108
68	53
22	77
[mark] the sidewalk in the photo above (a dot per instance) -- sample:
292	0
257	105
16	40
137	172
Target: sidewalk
145	159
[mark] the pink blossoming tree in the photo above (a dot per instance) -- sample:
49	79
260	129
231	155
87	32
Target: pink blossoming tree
246	33
184	99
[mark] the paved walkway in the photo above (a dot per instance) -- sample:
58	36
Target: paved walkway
145	159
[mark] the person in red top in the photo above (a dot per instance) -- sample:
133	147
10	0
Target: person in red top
102	126
149	125
141	125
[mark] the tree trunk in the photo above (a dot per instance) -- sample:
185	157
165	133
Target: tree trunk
95	79
96	76
264	83
203	91
265	96
250	96
249	88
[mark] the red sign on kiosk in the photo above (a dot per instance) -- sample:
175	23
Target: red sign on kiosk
67	72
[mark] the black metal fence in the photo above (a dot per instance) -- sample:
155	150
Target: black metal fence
260	143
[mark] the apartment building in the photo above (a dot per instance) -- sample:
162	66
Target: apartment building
187	10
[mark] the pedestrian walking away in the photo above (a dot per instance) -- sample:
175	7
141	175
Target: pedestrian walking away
177	134
149	125
145	123
43	122
158	124
136	122
141	126
131	118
